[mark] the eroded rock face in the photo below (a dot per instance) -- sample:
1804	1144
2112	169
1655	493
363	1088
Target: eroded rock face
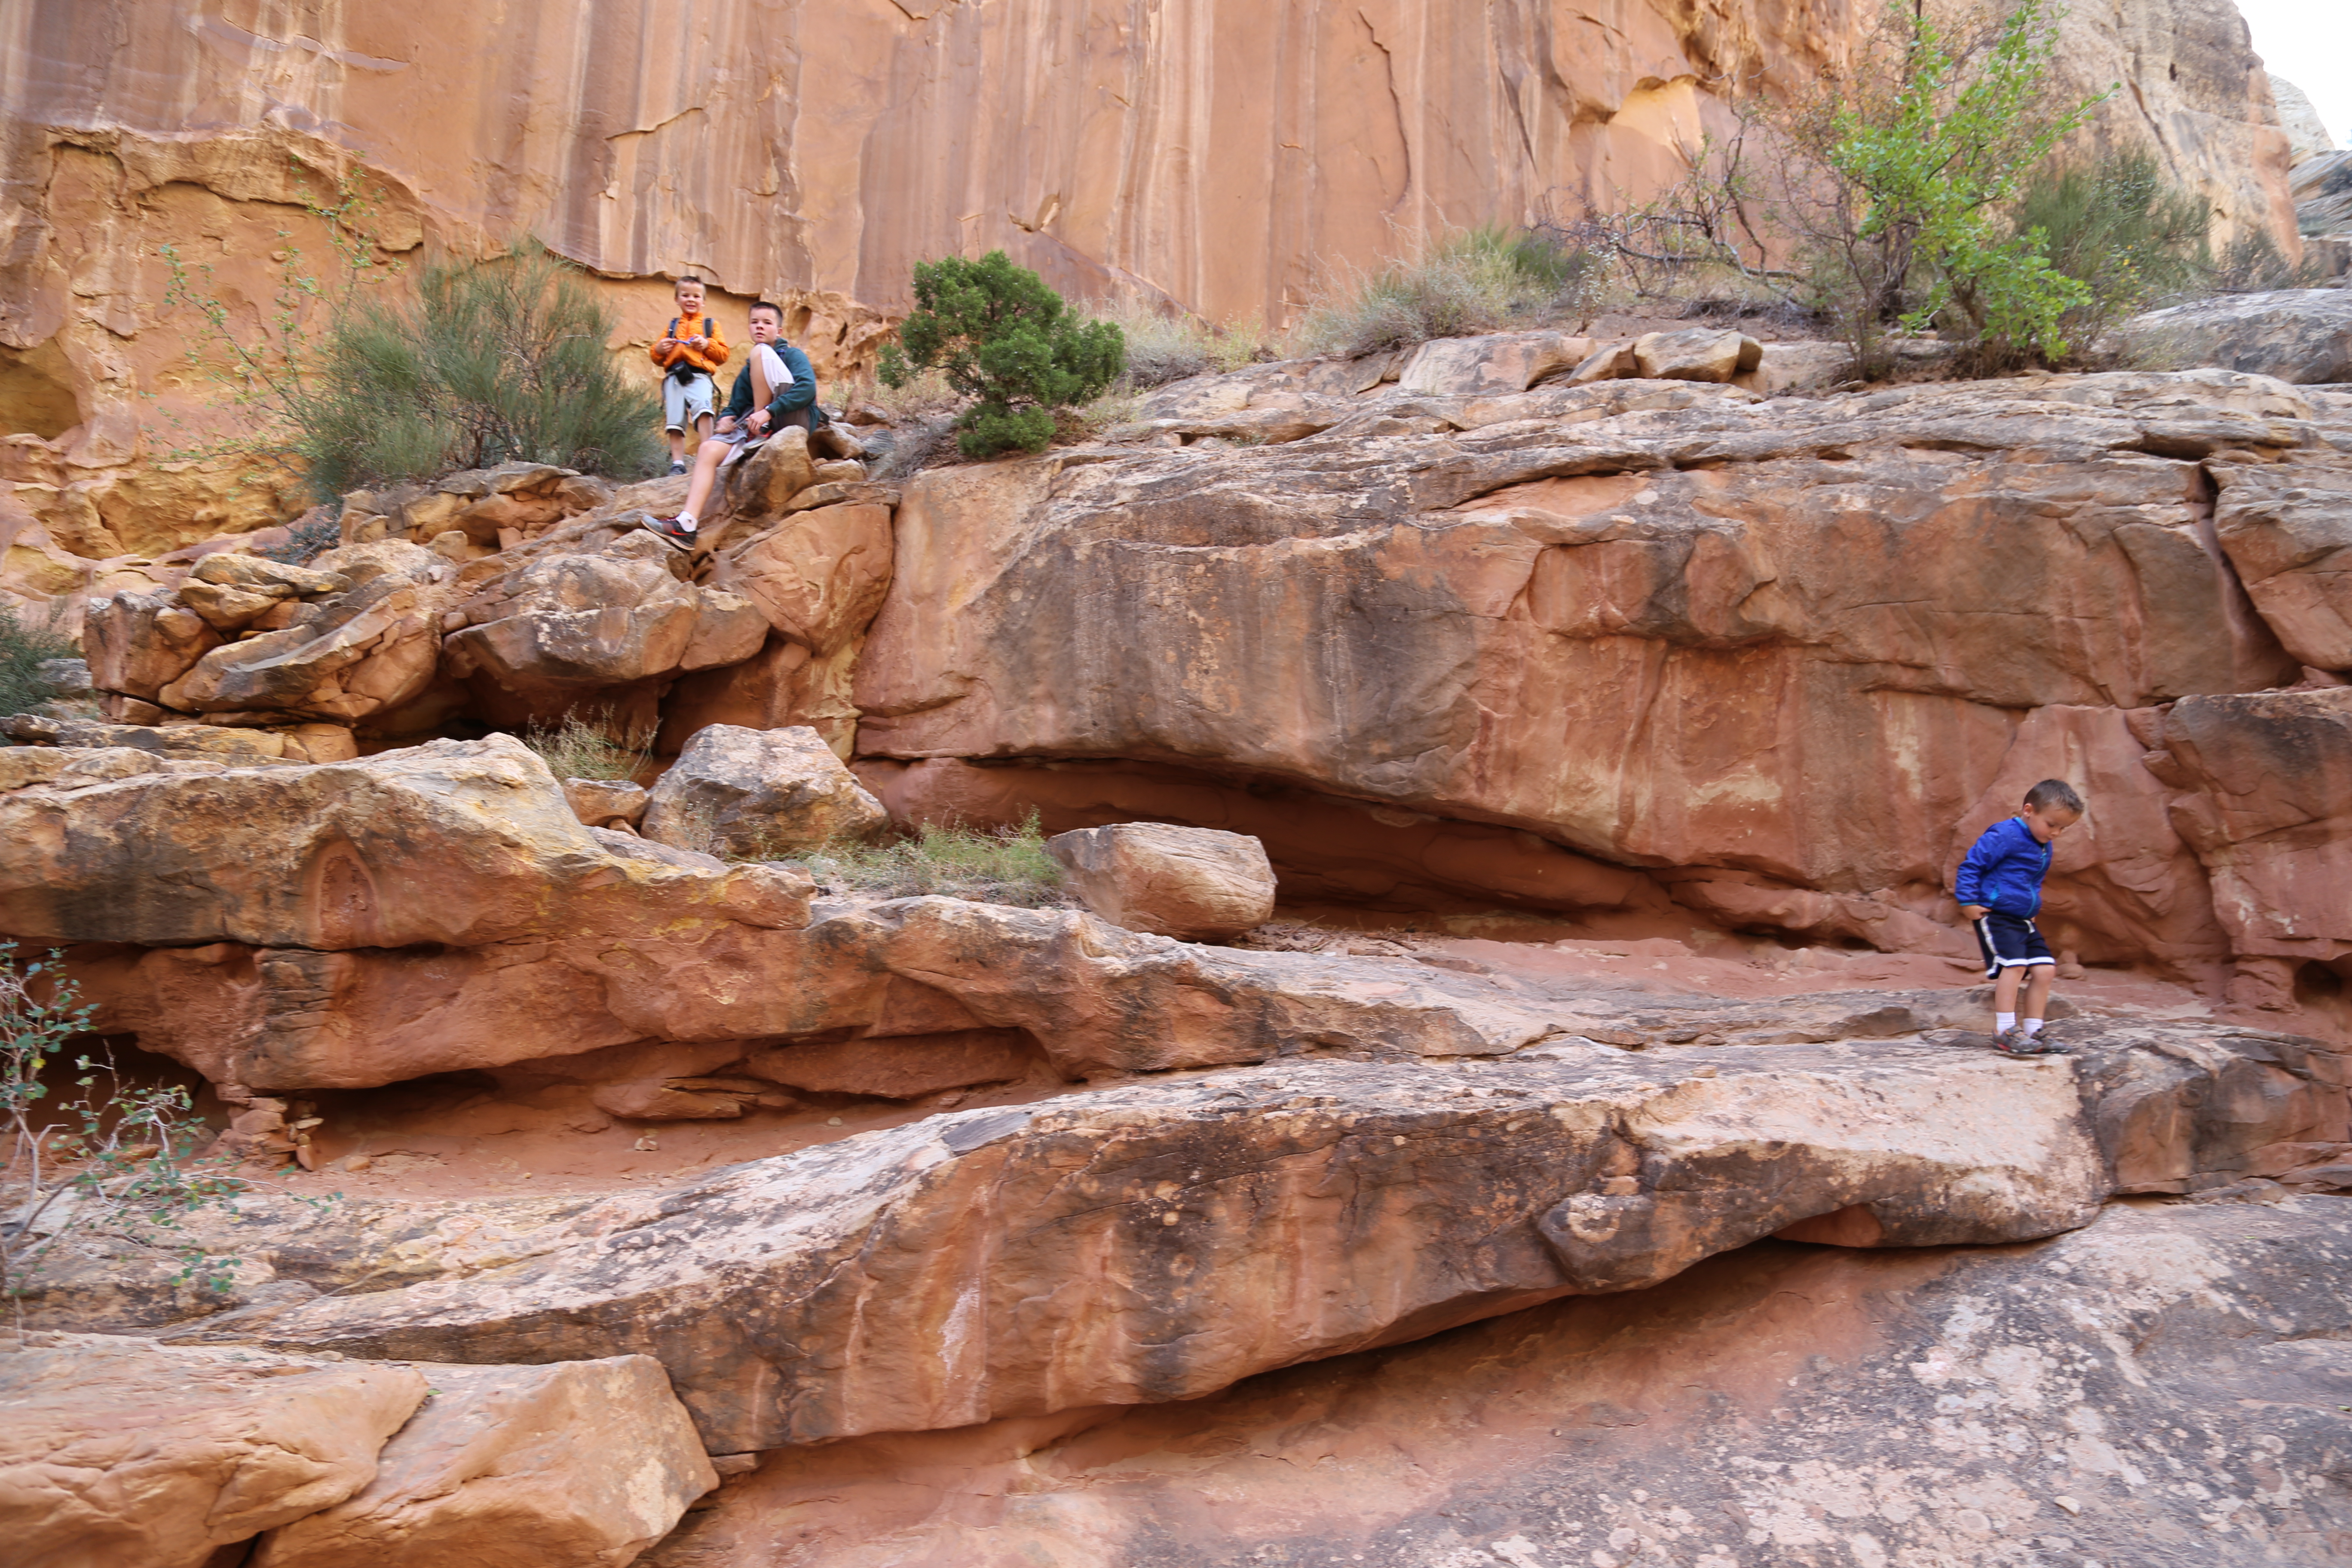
1192	883
581	1464
2269	806
1025	1260
360	652
1096	999
765	793
2288	531
1641	629
116	1454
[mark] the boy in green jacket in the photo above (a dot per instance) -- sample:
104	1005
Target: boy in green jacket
776	387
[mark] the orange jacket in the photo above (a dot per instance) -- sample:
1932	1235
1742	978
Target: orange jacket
709	357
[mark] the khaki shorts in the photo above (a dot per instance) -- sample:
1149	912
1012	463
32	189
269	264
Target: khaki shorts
684	403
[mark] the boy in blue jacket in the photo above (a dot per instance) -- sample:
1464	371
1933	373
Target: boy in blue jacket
2000	890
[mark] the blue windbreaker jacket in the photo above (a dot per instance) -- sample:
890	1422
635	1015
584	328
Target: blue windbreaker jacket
2005	871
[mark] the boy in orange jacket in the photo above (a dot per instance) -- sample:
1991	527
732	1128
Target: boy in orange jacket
687	356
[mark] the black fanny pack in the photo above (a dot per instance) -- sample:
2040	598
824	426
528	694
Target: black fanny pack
686	370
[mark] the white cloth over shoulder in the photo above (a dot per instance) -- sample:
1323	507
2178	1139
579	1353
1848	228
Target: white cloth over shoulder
779	373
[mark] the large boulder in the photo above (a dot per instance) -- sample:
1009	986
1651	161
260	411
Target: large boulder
118	1454
2302	335
579	1464
1509	361
607	617
1192	883
343	657
140	642
1696	353
818	576
760	794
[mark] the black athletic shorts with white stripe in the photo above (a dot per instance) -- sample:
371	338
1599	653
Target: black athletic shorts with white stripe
2009	942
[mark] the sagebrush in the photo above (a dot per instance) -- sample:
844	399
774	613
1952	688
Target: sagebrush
25	645
998	866
493	361
1481	281
585	746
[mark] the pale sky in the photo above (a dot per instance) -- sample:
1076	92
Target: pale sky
2309	42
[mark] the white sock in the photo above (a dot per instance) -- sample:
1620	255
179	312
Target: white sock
2032	1027
2002	1023
685	521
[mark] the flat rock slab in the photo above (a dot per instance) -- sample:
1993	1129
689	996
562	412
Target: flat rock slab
2166	1386
1163	1240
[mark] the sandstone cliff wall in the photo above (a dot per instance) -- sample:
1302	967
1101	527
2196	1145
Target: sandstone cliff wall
1218	155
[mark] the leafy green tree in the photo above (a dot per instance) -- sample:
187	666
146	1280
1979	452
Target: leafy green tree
1899	174
1005	340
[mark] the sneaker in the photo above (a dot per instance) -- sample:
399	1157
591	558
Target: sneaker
678	465
2017	1043
666	528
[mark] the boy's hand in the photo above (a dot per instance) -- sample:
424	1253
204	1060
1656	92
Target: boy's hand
758	422
726	424
1975	912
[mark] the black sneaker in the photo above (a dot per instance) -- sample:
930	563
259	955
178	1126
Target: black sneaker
666	529
2017	1043
678	465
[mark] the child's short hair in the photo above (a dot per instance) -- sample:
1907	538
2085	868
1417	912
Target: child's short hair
2053	791
770	306
682	282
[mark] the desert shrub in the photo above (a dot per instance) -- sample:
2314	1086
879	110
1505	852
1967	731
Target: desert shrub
2252	263
584	748
1482	280
23	645
1003	866
493	361
1164	346
2119	229
1002	339
106	1156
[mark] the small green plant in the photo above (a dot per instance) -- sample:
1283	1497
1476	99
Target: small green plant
577	747
1000	866
24	646
106	1156
1481	281
1005	340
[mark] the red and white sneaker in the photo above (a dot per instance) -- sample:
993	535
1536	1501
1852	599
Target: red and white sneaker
666	528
